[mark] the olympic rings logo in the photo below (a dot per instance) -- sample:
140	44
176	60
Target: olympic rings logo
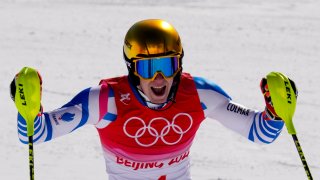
153	131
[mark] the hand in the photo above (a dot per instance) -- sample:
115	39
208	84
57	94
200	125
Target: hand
269	111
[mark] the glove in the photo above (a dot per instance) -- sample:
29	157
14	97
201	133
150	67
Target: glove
13	88
269	110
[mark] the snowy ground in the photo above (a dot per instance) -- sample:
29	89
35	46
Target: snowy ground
234	43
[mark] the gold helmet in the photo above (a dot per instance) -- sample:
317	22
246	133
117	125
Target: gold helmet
151	38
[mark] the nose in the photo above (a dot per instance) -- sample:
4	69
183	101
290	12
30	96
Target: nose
159	76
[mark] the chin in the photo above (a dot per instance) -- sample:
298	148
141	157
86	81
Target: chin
159	100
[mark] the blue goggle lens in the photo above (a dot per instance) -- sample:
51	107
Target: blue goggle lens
147	68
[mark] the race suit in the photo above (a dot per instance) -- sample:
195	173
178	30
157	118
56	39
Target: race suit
142	143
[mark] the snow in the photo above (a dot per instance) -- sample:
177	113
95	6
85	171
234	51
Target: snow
235	43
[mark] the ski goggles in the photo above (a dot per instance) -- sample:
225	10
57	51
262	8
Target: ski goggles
148	68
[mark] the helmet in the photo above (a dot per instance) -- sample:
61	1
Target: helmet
152	38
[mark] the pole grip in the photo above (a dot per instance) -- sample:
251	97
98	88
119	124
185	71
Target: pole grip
28	96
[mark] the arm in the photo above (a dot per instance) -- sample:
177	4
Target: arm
64	120
85	108
252	124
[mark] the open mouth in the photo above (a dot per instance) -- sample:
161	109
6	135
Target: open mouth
159	91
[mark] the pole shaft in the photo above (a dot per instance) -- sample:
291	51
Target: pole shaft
31	158
303	159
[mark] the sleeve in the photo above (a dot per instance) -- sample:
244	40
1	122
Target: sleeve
250	123
87	107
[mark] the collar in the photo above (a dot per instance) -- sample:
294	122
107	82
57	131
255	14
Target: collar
151	105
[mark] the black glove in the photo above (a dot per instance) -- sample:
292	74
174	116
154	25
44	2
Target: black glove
13	89
270	112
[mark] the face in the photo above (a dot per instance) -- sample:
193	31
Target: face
156	90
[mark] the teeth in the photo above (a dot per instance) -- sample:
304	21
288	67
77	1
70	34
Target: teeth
158	87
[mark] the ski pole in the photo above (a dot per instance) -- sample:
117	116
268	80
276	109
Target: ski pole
31	158
27	100
284	102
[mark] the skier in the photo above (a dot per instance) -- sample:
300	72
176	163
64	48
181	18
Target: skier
148	119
